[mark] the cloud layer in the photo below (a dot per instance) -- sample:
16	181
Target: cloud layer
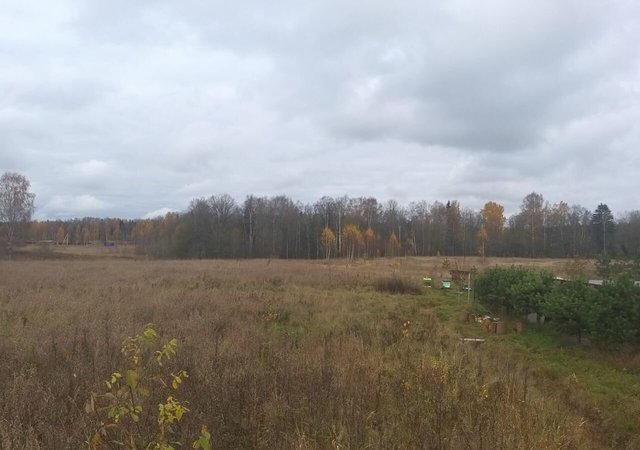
121	109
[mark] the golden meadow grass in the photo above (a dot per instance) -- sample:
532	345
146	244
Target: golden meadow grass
280	354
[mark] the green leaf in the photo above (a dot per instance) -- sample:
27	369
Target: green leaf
149	333
204	441
132	378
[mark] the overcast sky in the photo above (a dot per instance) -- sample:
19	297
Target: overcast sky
129	108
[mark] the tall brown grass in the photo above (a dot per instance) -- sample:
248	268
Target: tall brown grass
282	355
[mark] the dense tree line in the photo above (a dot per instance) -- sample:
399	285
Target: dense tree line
278	227
89	230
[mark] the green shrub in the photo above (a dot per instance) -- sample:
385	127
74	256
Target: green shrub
140	408
607	314
616	313
571	306
514	289
611	269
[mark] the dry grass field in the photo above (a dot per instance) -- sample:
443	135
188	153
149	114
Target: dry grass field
92	251
284	355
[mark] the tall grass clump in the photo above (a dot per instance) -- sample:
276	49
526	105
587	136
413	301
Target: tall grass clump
396	284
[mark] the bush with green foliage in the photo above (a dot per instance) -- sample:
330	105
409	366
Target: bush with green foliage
572	307
514	289
607	314
610	269
125	412
616	316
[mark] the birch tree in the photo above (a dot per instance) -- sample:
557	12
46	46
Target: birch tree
16	203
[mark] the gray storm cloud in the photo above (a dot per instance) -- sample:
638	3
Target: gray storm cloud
127	109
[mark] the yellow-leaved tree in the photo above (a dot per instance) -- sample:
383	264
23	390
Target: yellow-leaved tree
60	234
493	220
393	245
328	241
369	241
353	240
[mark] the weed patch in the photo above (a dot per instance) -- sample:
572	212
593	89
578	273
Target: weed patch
395	284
